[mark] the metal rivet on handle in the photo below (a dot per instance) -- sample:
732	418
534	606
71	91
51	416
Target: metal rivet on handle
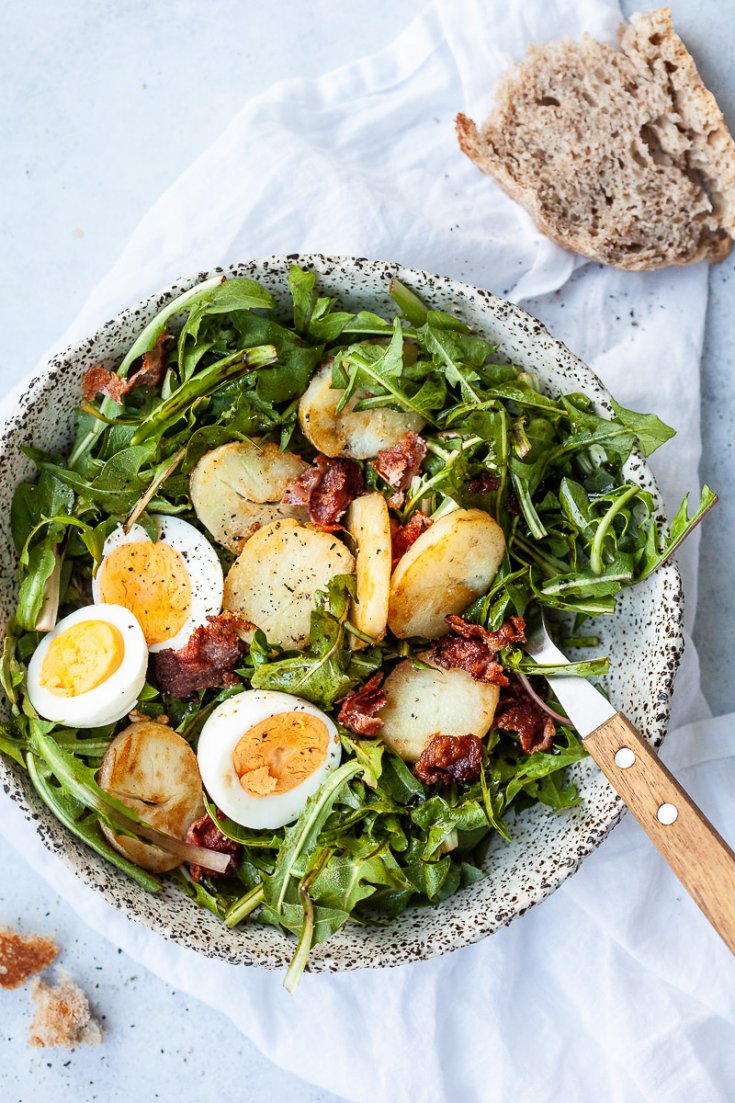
667	813
624	758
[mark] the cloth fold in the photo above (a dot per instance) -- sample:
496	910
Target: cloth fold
615	988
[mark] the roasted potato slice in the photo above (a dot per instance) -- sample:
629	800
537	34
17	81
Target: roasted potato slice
154	771
422	703
274	581
368	523
358	434
237	488
450	564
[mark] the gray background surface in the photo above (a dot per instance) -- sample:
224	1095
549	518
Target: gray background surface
110	101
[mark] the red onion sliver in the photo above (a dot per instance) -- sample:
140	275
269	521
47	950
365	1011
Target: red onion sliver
540	701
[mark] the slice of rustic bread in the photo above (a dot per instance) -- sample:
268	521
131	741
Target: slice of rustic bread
622	155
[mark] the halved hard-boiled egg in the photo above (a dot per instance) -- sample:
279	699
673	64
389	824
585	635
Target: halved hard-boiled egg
89	670
171	585
262	754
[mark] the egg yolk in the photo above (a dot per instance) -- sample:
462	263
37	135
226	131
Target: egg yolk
279	753
81	658
151	580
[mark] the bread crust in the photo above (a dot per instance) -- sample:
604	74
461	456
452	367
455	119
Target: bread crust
21	956
620	155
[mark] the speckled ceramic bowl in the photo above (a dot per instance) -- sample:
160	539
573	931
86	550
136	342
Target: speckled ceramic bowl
644	641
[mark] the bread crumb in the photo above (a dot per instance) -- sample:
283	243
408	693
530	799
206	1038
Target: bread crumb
63	1017
21	956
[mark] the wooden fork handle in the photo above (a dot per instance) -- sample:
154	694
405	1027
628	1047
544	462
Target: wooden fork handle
698	855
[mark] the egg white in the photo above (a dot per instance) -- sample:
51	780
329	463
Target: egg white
202	564
218	739
113	698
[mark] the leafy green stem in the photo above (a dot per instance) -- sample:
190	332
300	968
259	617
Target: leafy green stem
144	342
300	958
598	543
310	822
587	668
408	302
223	371
529	510
157	482
244	906
398	396
303	948
681	526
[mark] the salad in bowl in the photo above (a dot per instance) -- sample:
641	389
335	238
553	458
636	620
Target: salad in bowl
267	651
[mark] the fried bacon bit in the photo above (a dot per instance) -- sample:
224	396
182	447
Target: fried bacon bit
450	758
100	380
358	709
207	659
512	630
398	465
23	955
472	648
484	483
403	536
474	656
326	489
150	373
204	832
518	712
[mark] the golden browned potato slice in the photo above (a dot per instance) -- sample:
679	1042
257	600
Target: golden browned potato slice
274	581
358	434
450	564
237	488
422	703
368	522
154	771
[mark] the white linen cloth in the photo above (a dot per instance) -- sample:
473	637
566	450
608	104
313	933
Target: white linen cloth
615	989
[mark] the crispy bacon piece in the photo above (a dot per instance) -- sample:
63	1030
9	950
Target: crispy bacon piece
518	712
472	648
474	656
326	489
450	758
207	659
357	711
100	380
151	371
403	536
512	630
204	832
484	483
398	465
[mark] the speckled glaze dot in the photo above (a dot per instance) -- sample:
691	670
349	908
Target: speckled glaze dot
644	642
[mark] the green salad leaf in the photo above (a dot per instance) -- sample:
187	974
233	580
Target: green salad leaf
326	669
